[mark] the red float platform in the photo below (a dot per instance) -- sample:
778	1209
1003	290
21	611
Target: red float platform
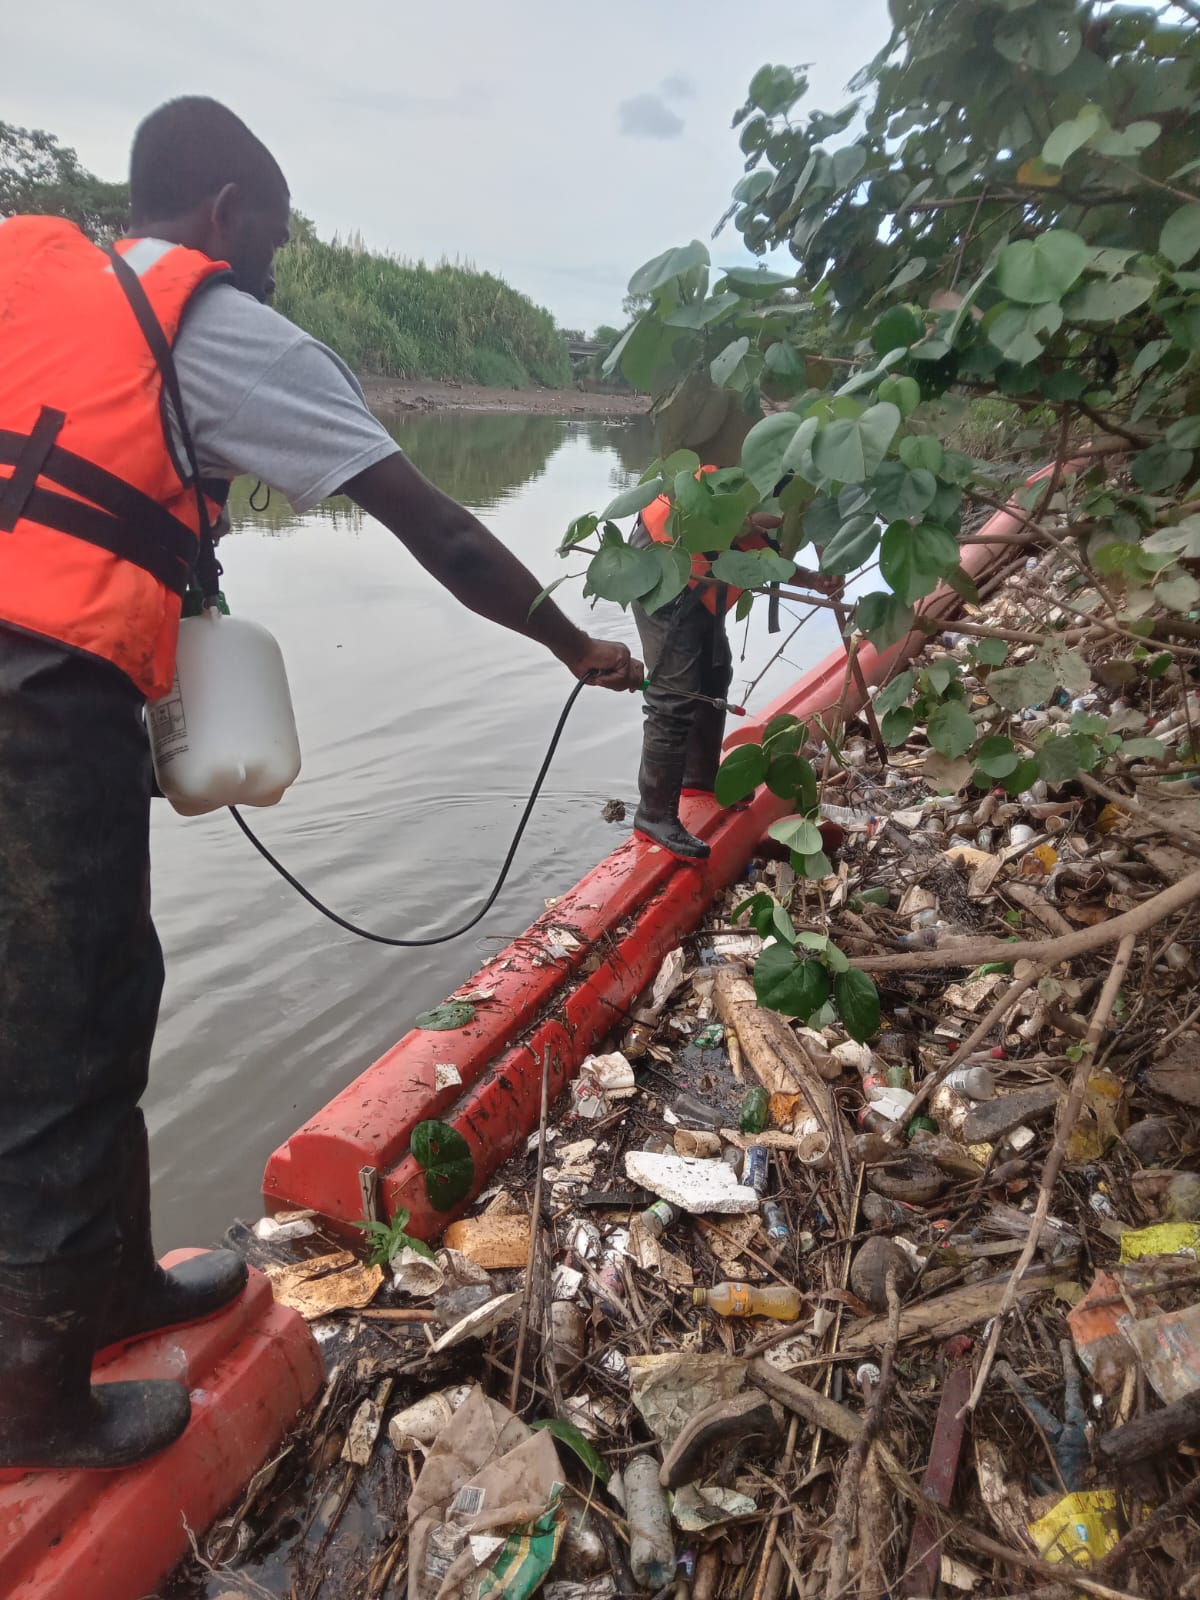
115	1535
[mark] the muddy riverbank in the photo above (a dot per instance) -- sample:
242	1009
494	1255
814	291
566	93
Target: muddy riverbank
400	396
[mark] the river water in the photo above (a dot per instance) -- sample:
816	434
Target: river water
422	728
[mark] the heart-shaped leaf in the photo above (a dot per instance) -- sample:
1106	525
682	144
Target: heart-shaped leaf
1034	271
740	774
446	1160
442	1019
797	833
857	1001
784	983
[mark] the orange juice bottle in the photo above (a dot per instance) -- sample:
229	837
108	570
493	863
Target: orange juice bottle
750	1300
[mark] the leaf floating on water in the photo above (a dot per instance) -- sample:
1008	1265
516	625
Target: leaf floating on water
453	1014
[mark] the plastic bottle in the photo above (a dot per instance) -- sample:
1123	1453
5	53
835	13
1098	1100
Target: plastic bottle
777	1300
568	1334
776	1223
756	1168
656	1219
225	734
693	1113
651	1542
976	1082
752	1118
637	1040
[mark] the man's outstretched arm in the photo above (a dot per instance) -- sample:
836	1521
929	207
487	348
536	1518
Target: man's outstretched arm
481	572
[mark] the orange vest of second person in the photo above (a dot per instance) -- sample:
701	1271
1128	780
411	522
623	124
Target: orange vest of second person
99	520
654	520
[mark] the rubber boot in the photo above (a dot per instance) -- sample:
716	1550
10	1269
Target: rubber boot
145	1299
50	1415
703	749
657	817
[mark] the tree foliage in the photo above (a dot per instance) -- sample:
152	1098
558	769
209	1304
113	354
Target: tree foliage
41	177
1008	209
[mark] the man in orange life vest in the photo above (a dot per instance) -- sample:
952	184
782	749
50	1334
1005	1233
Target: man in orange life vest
687	653
134	386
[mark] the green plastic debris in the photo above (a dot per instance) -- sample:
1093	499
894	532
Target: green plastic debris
752	1118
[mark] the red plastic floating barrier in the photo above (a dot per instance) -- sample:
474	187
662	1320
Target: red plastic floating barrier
115	1535
485	1079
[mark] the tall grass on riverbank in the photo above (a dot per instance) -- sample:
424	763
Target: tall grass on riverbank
406	320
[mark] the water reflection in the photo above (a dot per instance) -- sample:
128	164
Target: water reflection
479	459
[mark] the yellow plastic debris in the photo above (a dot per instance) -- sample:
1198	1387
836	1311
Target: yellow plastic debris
1081	1528
1167	1239
1111	818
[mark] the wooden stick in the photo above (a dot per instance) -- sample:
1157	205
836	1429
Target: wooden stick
535	1228
384	1314
775	1055
845	1509
1056	1157
1048	952
1153	1435
764	1566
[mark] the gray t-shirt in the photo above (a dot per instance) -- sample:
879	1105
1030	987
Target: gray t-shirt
264	398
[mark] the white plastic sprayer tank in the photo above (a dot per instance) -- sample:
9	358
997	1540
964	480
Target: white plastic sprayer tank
226	733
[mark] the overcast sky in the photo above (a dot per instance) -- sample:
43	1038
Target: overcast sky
556	144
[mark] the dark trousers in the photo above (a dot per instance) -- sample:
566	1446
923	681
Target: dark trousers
80	964
685	647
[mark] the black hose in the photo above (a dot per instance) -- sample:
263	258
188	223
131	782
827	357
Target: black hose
441	938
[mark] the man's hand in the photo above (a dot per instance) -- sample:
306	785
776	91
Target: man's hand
610	665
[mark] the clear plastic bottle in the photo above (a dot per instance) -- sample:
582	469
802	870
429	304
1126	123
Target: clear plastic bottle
651	1541
693	1113
777	1300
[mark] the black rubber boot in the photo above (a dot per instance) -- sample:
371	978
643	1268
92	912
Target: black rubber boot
657	818
145	1299
50	1415
703	749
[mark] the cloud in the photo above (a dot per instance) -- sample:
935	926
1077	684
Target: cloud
677	87
647	117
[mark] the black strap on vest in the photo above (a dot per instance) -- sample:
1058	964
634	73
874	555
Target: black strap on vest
208	568
28	463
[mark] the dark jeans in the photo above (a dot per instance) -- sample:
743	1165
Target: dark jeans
685	647
80	965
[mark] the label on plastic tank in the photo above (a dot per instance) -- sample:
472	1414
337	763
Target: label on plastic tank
168	725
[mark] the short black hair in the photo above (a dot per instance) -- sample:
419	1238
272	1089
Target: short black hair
187	151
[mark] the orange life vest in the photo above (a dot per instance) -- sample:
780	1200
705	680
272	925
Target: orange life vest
654	520
99	522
